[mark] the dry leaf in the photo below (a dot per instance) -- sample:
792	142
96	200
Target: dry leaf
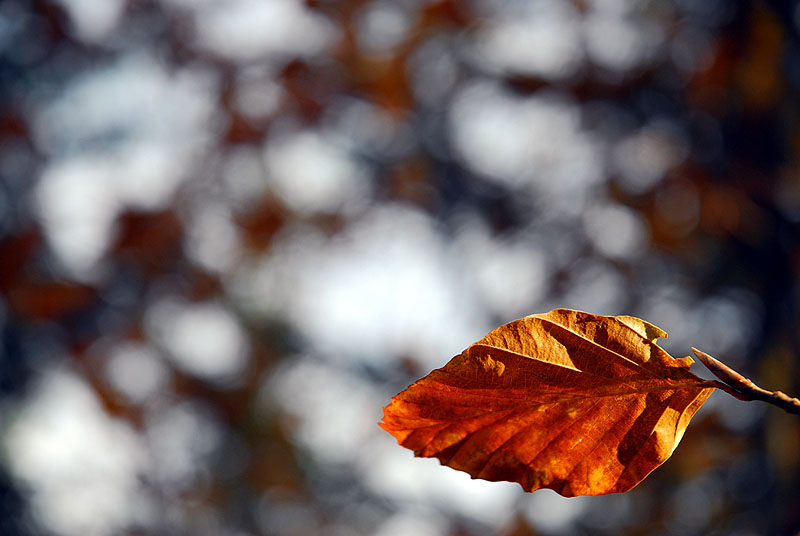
579	403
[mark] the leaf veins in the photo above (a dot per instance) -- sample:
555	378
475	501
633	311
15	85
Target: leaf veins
579	403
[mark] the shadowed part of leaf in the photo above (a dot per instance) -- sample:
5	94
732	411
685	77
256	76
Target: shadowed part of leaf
579	403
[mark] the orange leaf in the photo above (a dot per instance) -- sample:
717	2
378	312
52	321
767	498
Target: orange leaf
579	403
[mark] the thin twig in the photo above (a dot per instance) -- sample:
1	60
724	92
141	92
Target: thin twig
743	388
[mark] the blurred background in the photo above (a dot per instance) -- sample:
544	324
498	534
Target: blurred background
231	230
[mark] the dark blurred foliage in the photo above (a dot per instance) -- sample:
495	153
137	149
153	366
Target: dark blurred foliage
721	227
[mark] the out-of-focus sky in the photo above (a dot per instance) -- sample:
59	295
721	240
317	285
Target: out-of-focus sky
231	231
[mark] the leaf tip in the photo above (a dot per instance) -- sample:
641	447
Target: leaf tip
644	328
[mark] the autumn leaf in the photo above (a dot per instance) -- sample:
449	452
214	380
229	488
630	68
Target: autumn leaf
579	403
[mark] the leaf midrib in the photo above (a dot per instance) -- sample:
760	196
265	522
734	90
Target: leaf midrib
698	384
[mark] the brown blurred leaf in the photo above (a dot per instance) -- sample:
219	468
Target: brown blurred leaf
579	403
242	130
149	239
310	87
260	224
33	299
760	70
16	251
445	13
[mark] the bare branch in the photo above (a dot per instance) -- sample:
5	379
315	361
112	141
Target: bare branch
743	388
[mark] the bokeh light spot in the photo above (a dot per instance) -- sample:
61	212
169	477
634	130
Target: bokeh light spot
203	339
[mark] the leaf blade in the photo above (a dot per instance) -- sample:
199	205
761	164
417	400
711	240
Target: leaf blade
580	403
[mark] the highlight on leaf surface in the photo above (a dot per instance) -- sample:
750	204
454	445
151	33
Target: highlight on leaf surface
579	403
